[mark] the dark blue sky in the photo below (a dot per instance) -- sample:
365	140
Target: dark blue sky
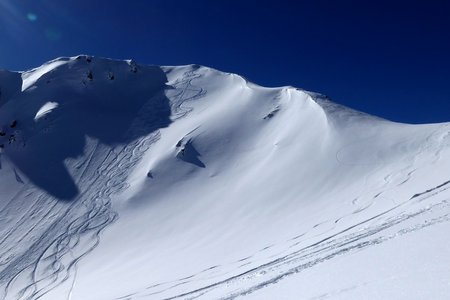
391	60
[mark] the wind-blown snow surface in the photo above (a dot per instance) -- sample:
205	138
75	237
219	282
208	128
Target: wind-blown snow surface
121	181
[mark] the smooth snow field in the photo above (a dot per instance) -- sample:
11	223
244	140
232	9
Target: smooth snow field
120	181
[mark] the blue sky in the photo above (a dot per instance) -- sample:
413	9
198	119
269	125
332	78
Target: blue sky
385	58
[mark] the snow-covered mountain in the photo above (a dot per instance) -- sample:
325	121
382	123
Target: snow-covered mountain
122	181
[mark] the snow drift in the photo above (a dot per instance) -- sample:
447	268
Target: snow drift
123	181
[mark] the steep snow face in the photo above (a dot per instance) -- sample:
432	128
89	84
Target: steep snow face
121	181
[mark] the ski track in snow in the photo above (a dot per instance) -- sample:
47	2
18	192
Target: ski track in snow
76	226
355	238
69	231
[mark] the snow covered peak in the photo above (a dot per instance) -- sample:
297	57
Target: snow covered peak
187	182
81	67
69	100
79	73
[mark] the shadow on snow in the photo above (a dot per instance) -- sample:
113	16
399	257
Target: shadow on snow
99	107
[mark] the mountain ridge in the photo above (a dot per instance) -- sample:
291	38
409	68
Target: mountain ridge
29	78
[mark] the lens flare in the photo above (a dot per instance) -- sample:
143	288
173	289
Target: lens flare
32	17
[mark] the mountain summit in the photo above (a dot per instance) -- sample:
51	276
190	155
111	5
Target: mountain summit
124	181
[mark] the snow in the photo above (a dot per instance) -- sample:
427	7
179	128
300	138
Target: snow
45	109
126	181
29	78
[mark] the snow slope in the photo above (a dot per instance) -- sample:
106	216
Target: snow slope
122	181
